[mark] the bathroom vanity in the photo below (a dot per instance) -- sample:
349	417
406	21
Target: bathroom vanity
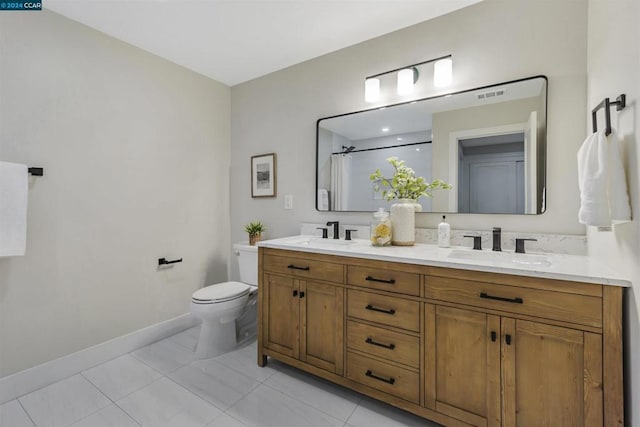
487	341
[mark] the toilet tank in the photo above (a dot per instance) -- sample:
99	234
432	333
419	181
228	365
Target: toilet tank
247	262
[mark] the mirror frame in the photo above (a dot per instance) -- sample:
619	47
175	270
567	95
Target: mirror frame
542	204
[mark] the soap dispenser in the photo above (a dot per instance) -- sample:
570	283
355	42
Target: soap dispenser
381	228
444	233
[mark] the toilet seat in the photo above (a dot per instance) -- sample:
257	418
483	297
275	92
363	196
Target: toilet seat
221	292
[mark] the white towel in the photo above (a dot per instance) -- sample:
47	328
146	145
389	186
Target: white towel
323	199
14	188
603	189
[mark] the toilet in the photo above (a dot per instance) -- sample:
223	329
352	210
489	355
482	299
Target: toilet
228	309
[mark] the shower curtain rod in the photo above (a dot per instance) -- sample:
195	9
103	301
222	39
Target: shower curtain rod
383	148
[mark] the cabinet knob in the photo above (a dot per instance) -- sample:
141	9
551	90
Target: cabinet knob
493	336
507	339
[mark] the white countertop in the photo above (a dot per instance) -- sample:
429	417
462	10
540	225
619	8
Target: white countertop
549	266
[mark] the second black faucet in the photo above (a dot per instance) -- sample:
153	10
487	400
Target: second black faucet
336	228
497	239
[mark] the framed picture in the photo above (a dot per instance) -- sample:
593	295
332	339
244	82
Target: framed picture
263	175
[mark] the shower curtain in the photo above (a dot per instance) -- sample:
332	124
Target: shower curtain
340	171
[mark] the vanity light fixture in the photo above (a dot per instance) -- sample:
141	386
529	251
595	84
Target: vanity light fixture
443	72
408	76
372	90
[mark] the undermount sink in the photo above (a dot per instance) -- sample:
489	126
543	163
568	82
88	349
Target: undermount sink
501	257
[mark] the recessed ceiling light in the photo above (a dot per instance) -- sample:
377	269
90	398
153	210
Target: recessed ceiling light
399	139
385	129
417	149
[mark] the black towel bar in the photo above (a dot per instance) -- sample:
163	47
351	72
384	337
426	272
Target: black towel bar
620	103
36	171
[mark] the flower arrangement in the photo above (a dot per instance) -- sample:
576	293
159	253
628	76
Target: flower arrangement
404	184
255	230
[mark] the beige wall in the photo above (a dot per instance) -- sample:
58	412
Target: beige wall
136	157
447	122
614	68
492	41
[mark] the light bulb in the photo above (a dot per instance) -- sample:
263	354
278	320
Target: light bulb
371	90
405	81
443	72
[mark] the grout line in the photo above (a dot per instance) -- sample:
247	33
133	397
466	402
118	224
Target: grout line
26	412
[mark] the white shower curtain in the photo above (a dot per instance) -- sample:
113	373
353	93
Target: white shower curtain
340	171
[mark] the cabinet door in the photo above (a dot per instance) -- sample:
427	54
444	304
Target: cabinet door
551	375
463	364
322	325
281	314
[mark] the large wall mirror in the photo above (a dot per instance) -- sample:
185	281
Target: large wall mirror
488	142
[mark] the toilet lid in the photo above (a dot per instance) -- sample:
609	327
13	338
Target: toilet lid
221	292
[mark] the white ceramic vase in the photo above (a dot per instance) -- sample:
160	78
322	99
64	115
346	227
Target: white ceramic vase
403	222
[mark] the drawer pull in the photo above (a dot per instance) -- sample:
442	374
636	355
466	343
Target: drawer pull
507	339
295	267
380	310
295	293
389	380
370	340
373	279
513	300
493	336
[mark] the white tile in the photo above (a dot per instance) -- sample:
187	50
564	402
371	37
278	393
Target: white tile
12	415
372	413
322	395
122	376
266	407
111	416
187	338
165	403
165	356
214	382
64	402
245	360
225	420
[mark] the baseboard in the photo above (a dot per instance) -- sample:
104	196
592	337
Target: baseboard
35	378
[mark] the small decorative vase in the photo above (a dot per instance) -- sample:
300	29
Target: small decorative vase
254	238
403	222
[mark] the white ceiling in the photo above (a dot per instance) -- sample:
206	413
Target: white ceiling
233	41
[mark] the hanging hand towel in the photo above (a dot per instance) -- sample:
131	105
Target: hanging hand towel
14	188
603	189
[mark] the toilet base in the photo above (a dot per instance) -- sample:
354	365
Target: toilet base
218	338
215	339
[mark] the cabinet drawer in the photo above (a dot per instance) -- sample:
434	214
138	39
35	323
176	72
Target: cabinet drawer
384	377
582	309
400	348
304	268
383	279
383	309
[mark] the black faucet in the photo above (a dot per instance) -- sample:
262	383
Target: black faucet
336	228
520	244
497	239
477	242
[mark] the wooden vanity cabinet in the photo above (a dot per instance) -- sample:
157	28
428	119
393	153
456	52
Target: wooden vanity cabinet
303	317
490	362
459	347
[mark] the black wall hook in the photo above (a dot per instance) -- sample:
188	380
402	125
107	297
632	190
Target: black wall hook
163	261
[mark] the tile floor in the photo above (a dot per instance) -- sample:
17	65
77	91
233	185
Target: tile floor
161	385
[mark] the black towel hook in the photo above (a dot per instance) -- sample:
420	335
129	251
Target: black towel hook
620	103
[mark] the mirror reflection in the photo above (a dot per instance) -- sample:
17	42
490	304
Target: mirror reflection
488	142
